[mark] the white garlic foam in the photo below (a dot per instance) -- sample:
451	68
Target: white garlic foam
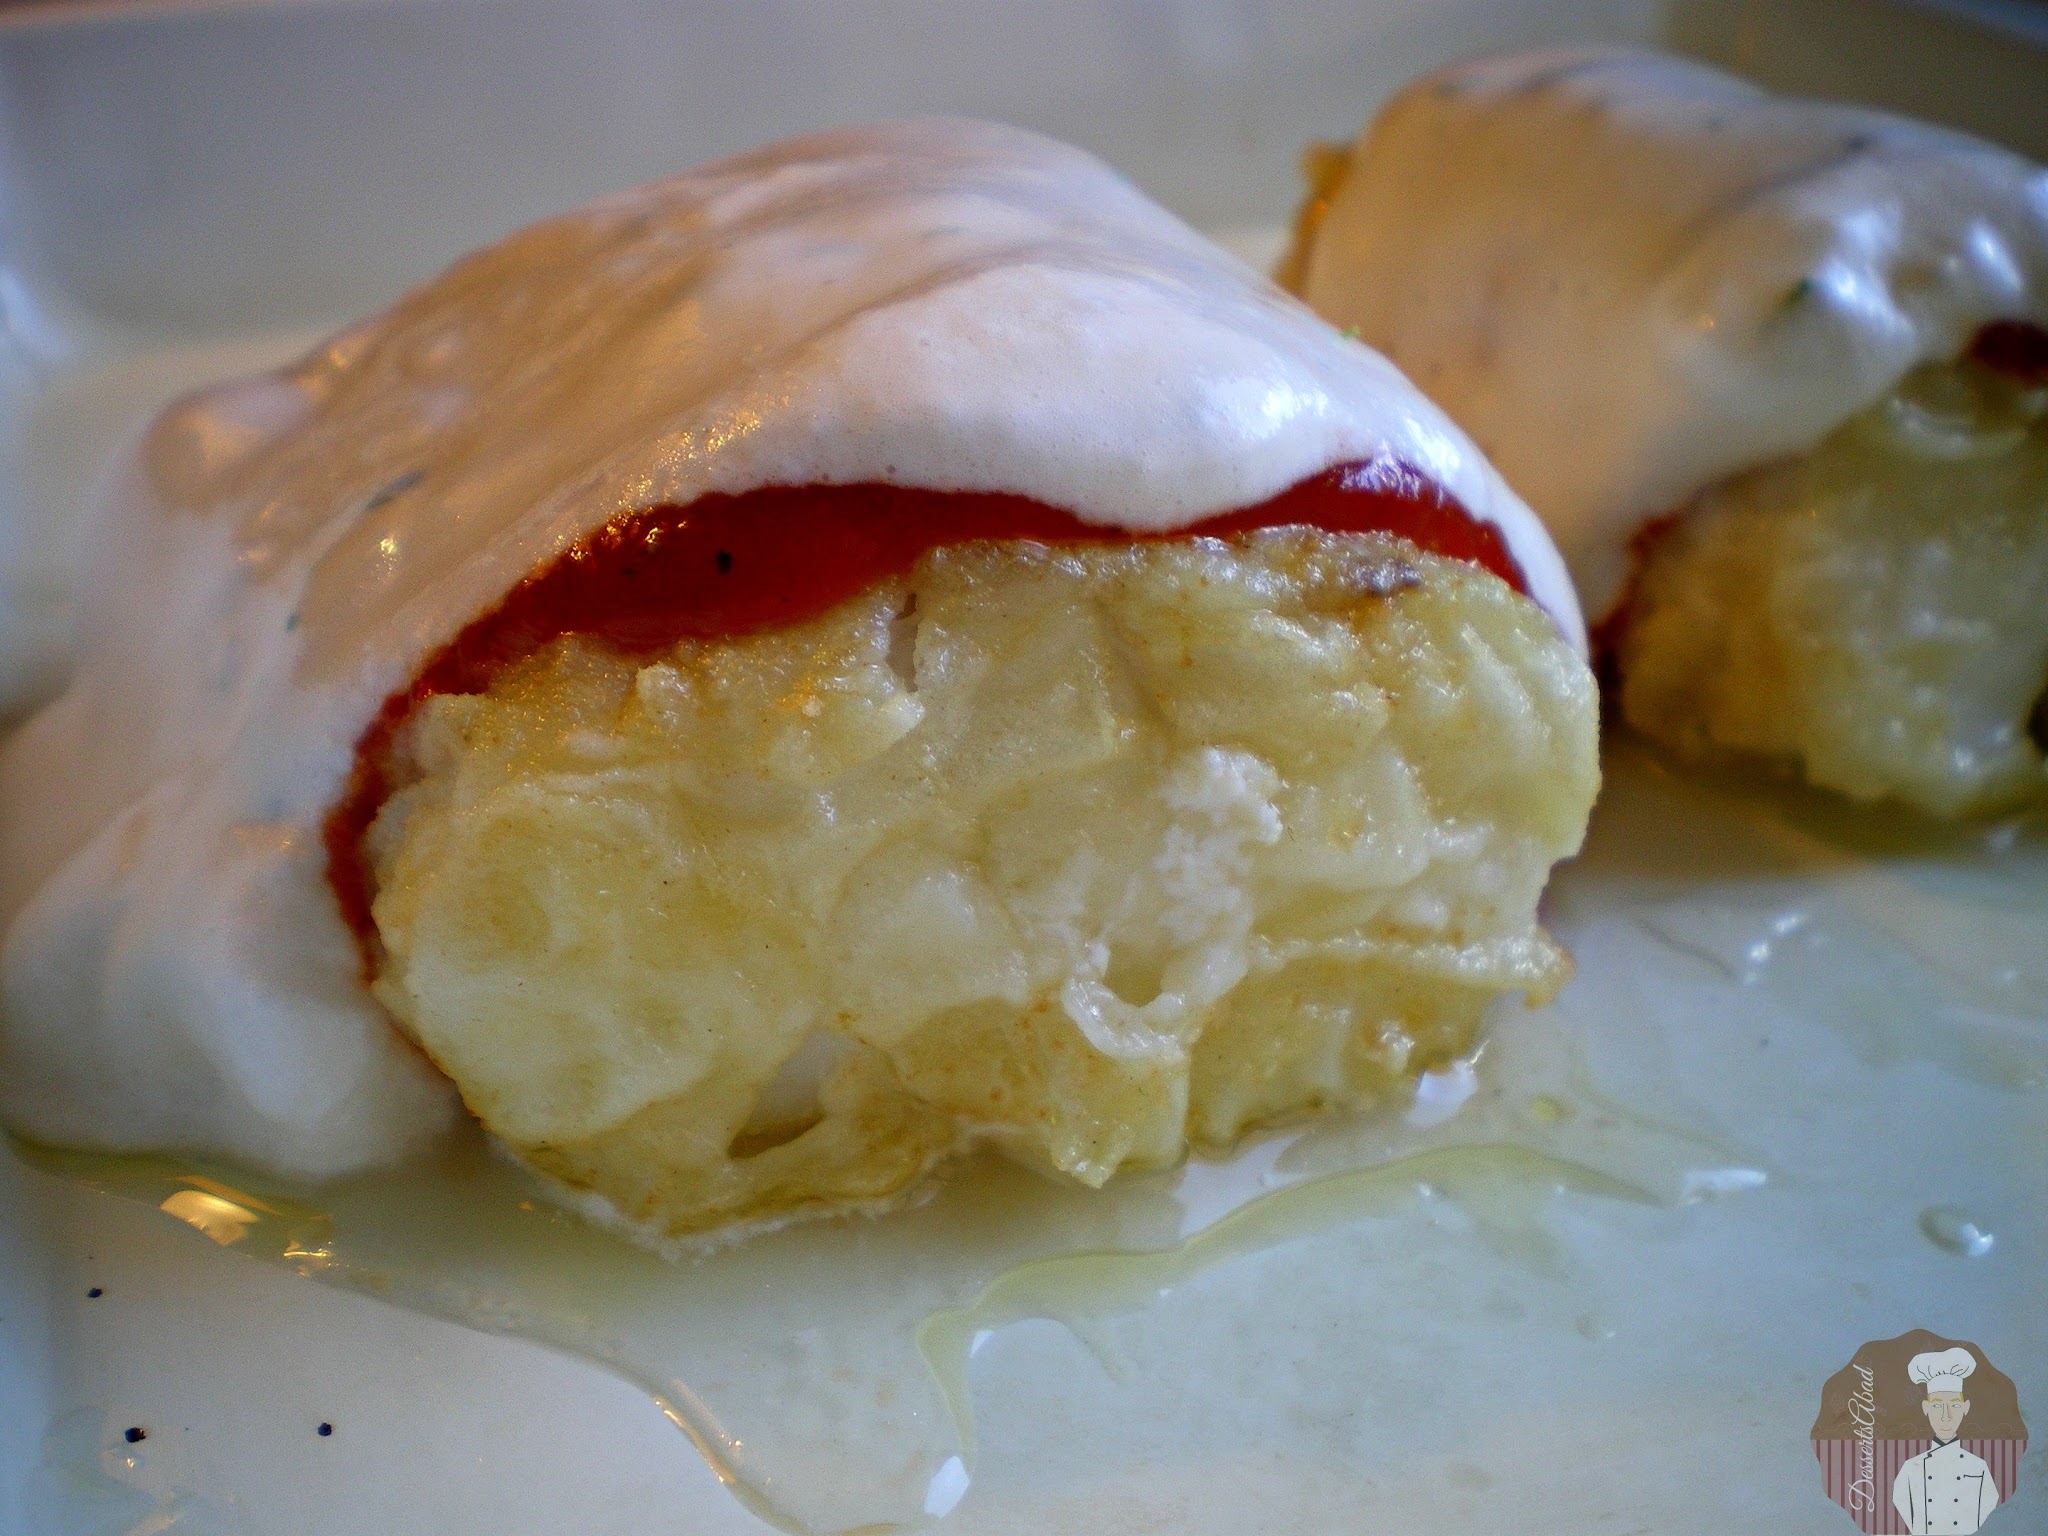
1629	276
939	304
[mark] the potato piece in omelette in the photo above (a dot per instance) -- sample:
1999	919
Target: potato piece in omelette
885	644
1875	609
1087	851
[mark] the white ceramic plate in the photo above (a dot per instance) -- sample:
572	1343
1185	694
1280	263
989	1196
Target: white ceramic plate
1594	1288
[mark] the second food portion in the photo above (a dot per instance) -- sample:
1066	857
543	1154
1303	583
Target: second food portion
1773	372
884	644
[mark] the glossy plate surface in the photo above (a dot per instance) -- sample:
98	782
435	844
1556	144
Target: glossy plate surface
1795	1100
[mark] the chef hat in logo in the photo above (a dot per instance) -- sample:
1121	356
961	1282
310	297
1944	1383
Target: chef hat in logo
1942	1370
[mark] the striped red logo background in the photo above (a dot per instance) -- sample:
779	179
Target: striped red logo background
1871	1508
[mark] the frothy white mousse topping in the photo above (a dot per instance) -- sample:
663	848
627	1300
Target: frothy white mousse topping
937	304
1629	276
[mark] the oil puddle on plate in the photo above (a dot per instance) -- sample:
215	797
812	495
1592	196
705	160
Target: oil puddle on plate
1755	972
822	1370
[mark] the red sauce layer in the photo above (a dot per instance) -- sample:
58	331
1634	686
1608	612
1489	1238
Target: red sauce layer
726	566
1606	634
2017	347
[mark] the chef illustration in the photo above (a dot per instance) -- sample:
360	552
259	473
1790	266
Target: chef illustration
1944	1488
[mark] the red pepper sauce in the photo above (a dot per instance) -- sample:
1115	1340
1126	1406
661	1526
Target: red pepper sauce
2017	347
726	566
1606	634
